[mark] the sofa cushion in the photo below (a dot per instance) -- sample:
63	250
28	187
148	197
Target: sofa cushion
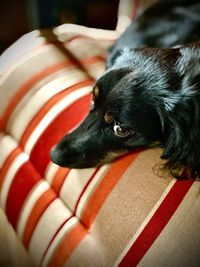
123	213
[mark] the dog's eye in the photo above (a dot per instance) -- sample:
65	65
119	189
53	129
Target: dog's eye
121	131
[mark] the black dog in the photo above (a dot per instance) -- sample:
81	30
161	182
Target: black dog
149	94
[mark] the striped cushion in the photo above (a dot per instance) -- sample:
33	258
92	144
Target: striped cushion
122	214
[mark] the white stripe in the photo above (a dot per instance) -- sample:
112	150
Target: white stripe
62	233
76	180
49	223
50	172
14	167
36	192
50	53
20	72
90	189
49	117
23	114
37	86
143	225
7	145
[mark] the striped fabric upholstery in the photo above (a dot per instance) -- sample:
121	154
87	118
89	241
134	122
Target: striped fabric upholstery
121	214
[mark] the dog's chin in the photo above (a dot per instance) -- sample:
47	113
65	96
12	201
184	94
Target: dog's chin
58	158
72	162
81	161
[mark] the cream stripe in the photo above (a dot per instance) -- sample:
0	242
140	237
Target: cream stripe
76	179
87	48
46	228
96	69
37	86
65	229
52	54
90	189
16	164
149	216
49	117
17	50
125	13
36	192
50	172
22	116
7	145
45	57
90	32
179	242
91	47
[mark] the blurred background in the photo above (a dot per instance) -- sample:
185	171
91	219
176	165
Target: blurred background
20	16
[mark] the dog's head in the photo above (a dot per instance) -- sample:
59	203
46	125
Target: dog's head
135	104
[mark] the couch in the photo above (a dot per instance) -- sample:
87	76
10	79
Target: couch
126	213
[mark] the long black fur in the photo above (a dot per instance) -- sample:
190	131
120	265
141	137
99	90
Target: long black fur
150	88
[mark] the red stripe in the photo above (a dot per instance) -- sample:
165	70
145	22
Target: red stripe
56	43
21	92
72	239
69	242
11	157
1	124
62	124
110	179
54	236
93	60
135	9
36	213
83	37
156	223
59	179
84	189
74	213
25	179
47	106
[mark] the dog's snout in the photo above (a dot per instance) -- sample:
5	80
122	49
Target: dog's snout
91	123
81	148
67	155
55	156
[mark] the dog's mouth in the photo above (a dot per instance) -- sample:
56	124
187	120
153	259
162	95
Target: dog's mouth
80	159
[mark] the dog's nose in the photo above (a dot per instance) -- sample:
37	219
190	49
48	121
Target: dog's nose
55	156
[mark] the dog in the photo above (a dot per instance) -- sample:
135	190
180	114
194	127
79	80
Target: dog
149	94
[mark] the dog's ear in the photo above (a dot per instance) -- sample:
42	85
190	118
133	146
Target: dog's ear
189	67
179	78
181	114
181	130
113	56
120	57
181	142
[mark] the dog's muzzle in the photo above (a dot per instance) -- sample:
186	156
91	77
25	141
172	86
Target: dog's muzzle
56	157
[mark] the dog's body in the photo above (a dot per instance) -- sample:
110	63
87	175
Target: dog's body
150	93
